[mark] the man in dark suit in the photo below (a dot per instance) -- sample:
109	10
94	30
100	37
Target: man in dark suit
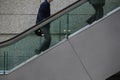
99	12
43	13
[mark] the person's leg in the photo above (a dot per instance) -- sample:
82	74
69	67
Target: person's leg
46	43
93	17
99	11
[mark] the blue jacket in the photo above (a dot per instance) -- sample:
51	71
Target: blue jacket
44	11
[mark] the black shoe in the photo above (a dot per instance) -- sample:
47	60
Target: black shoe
91	19
89	22
37	51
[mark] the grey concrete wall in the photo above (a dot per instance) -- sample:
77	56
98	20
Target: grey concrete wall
18	15
57	5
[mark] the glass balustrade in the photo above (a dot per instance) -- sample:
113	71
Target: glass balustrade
22	50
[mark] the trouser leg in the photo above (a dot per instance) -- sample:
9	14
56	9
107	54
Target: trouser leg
98	13
47	38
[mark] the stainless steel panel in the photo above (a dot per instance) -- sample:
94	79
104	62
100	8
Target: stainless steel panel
58	63
99	47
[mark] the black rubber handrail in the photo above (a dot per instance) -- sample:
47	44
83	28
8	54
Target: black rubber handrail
42	23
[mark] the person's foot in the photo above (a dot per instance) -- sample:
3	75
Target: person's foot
37	51
89	22
91	19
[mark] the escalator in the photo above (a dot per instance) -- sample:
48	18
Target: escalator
66	59
12	52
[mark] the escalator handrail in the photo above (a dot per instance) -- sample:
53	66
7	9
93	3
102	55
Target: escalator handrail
42	23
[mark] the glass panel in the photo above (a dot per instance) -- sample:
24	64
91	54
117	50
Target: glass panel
79	16
15	54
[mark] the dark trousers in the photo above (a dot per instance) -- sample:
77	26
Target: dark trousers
98	13
47	38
